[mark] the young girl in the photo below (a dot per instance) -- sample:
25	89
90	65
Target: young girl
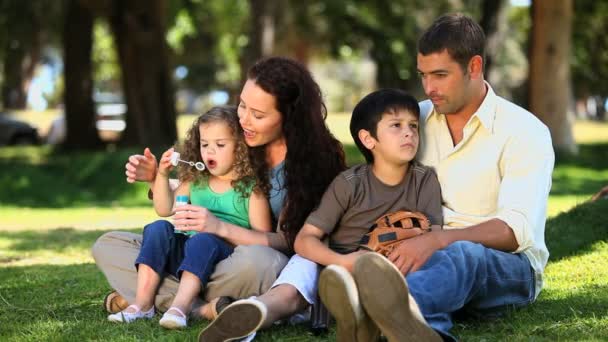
227	188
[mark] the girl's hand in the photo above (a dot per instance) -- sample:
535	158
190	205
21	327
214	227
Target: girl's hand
165	166
192	217
141	168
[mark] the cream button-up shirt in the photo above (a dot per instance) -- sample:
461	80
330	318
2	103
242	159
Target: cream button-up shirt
501	169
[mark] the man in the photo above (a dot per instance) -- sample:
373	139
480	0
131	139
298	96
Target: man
494	162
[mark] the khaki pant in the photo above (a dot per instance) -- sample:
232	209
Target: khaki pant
249	271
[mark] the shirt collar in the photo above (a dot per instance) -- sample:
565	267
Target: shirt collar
485	113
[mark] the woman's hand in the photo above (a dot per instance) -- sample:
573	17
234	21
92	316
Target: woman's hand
192	217
165	166
141	168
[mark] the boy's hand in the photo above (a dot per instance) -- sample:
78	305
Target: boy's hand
411	254
165	166
348	260
141	168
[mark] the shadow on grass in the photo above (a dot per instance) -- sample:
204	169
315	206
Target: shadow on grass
55	240
575	231
41	177
584	174
575	317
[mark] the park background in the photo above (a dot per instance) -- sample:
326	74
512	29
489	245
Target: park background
101	79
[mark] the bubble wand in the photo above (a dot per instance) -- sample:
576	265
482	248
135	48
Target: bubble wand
175	159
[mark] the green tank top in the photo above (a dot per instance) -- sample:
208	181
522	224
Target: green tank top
228	206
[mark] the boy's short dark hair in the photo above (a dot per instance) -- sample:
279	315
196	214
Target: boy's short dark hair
457	33
368	112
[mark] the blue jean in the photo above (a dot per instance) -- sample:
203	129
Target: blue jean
169	253
468	276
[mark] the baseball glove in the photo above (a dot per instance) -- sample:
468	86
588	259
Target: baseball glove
391	229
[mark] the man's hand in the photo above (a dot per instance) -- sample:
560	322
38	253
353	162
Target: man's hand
192	217
411	254
141	168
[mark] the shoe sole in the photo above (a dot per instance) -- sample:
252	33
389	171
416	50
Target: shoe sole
237	320
338	292
385	296
170	324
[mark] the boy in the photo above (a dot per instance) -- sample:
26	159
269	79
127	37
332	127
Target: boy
384	125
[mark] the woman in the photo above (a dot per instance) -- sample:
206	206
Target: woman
283	115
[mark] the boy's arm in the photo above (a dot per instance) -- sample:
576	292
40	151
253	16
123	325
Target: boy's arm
309	245
260	218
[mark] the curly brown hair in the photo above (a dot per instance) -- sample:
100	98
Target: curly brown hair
314	156
246	168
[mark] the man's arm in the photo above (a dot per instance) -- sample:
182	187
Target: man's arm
493	233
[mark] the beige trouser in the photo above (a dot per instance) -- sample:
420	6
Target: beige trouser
249	271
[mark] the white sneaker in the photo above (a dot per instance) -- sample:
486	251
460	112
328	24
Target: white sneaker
128	317
172	321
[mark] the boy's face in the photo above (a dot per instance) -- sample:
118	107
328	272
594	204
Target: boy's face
397	138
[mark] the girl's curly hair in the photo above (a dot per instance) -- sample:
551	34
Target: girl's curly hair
314	156
245	167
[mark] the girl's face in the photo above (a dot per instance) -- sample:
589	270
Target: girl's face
258	116
218	147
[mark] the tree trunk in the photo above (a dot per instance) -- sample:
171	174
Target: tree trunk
22	54
138	27
262	26
550	91
492	21
79	108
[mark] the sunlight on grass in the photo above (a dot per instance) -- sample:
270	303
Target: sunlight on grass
16	219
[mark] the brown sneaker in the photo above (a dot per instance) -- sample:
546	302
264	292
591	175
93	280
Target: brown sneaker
114	302
211	310
338	292
237	320
385	296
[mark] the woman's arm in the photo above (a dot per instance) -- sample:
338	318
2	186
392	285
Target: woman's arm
259	212
202	220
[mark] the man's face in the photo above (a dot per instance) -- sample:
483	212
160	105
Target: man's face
444	82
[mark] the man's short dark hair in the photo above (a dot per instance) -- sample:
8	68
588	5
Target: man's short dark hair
460	35
368	112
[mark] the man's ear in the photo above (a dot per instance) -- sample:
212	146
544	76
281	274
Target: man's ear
476	66
366	139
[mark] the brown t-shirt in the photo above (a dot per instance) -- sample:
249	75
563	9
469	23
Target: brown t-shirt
356	199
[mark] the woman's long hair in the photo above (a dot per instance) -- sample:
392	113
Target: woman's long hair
245	168
314	156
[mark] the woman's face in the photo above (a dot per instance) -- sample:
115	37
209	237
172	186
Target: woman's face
258	116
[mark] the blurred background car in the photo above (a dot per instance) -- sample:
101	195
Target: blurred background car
14	132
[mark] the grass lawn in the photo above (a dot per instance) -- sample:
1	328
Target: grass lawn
53	206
